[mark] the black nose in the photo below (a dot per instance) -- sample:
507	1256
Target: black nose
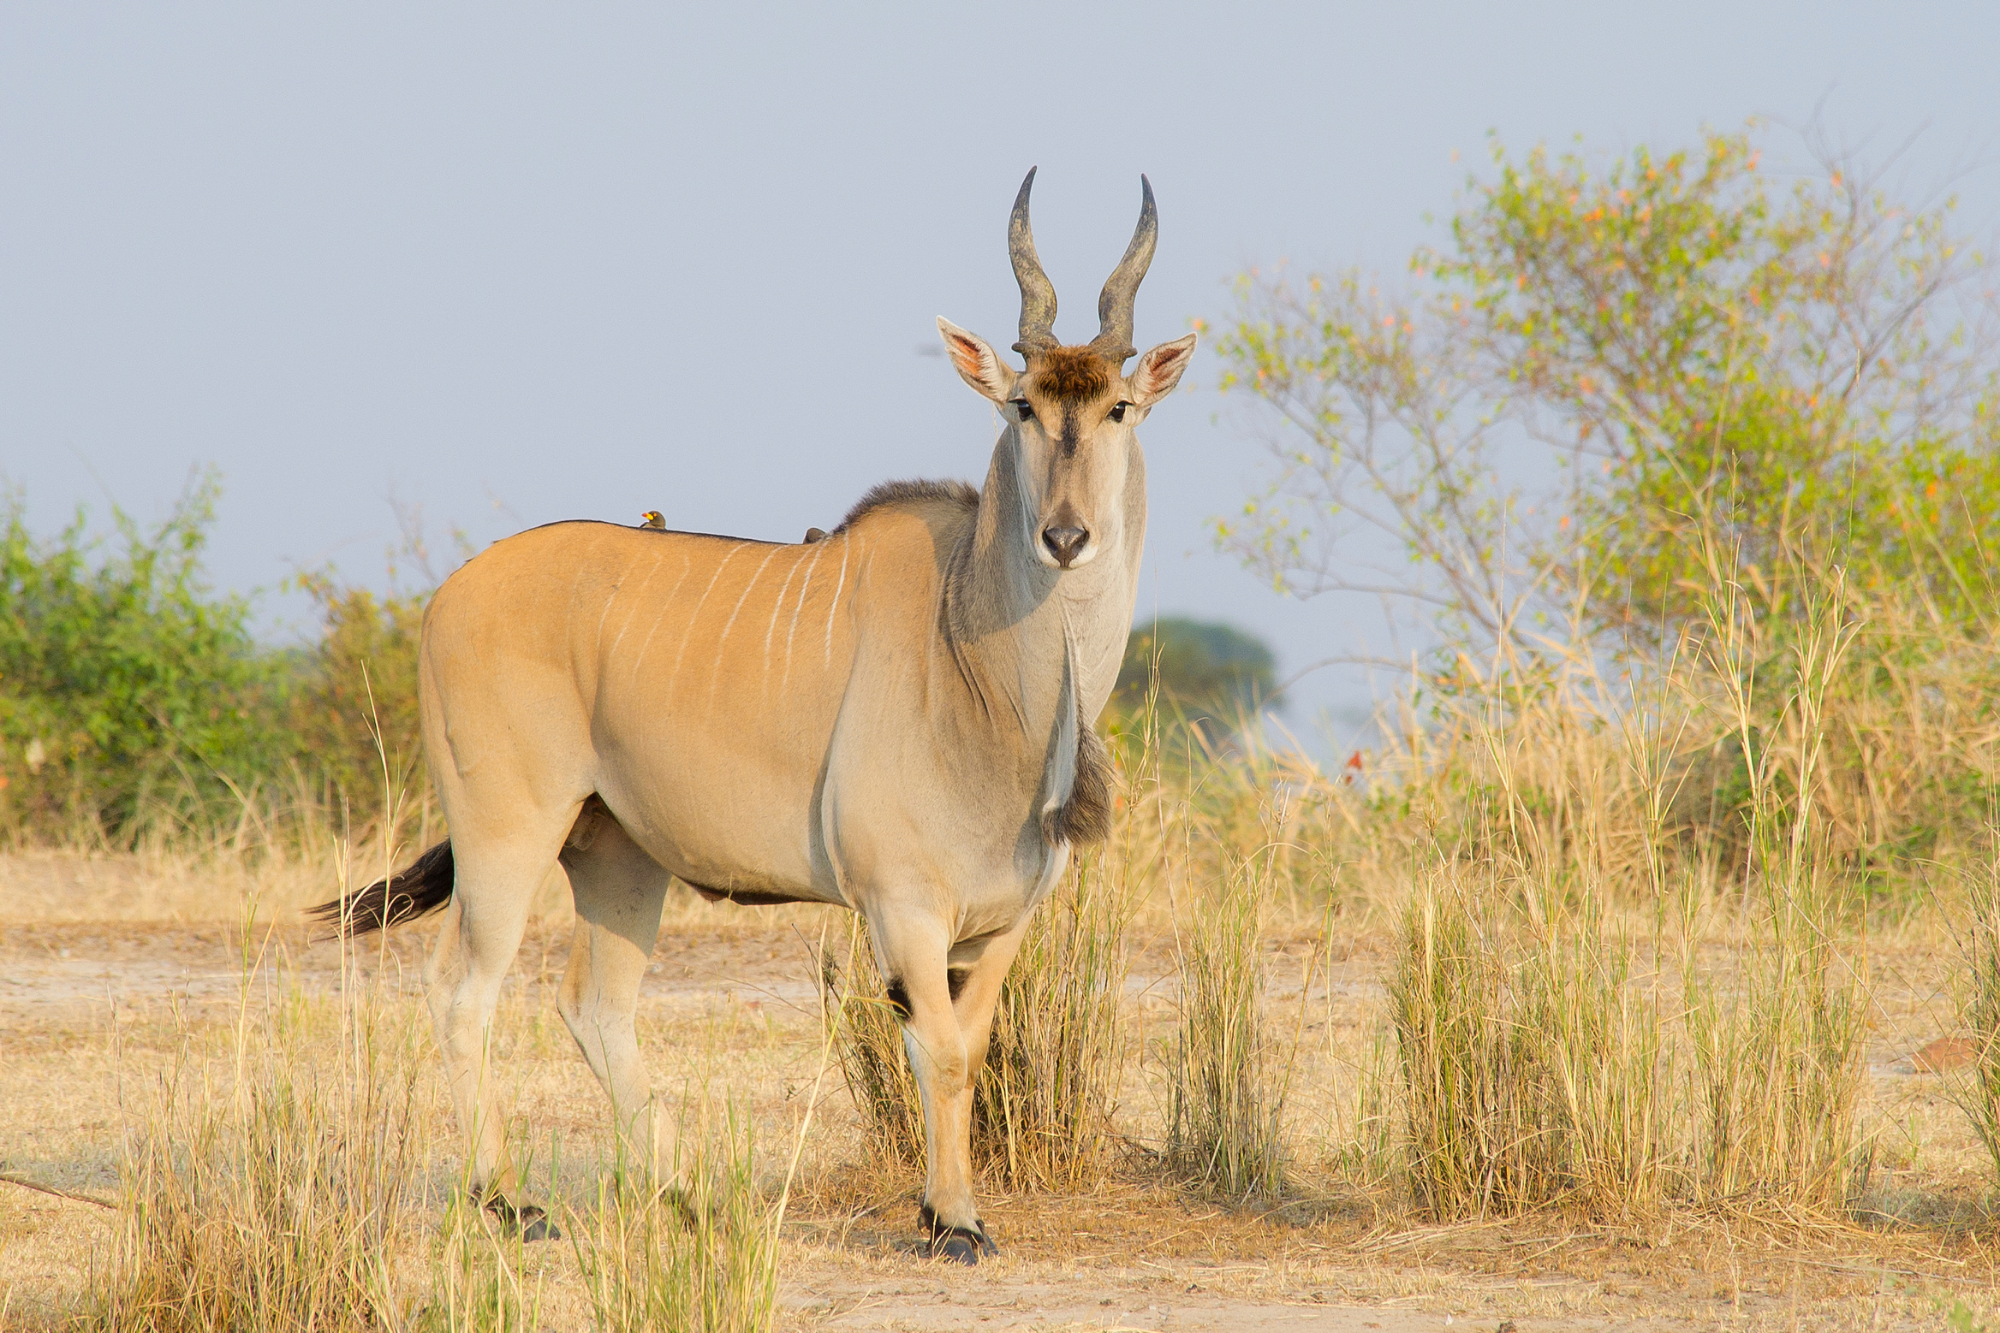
1064	543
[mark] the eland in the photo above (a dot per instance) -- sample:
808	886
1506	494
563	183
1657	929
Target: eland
896	717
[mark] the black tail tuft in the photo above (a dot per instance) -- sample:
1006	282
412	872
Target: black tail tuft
421	888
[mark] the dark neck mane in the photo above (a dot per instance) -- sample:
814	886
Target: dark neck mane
888	493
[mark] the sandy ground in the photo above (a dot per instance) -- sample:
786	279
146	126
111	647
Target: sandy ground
105	984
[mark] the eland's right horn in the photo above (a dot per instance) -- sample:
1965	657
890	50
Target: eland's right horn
1114	305
1038	294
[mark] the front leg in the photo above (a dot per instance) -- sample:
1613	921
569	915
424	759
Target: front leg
913	951
975	969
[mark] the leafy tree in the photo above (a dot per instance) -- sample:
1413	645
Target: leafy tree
1795	377
1205	669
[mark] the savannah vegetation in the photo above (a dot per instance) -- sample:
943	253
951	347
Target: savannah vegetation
1700	753
137	705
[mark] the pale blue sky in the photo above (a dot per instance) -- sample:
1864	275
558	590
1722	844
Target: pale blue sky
521	264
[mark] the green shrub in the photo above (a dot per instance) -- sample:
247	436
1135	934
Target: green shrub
136	701
132	697
354	708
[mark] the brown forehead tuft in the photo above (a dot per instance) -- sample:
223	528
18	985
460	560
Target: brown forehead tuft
1071	374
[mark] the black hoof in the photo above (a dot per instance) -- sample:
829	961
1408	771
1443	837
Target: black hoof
676	1198
535	1225
528	1222
961	1245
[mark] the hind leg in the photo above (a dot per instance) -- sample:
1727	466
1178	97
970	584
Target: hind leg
497	875
619	891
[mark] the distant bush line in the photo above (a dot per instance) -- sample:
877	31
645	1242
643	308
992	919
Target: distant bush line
137	703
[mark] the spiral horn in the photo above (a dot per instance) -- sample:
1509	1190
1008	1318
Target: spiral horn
1038	294
1114	304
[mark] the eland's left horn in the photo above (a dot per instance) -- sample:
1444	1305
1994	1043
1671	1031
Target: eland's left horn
1114	305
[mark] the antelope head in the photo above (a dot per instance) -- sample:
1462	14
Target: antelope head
1070	415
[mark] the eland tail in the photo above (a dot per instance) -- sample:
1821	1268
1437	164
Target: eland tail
417	890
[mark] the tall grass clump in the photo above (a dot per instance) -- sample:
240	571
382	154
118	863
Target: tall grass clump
1778	1056
700	1257
1978	1093
867	1038
1532	1060
1777	1064
1547	1060
1226	1085
1533	1042
273	1192
1044	1098
1044	1095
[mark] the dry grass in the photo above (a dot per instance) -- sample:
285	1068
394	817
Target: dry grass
269	1193
1044	1108
1978	1091
289	1167
702	1256
1226	1086
1531	1064
1544	1065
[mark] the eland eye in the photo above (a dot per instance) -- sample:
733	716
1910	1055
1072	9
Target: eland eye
1020	406
1118	412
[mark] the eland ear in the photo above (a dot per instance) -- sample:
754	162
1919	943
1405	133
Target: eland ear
977	362
1160	370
